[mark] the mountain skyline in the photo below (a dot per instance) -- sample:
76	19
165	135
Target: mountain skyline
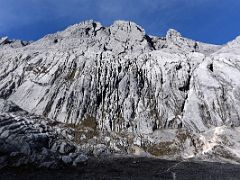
211	21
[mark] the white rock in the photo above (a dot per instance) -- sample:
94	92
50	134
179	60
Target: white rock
119	79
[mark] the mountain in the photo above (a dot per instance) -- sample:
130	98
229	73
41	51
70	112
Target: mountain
119	90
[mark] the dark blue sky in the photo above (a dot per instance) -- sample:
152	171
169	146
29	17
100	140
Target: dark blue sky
213	21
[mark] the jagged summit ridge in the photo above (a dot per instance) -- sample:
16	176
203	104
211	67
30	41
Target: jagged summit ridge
172	33
120	80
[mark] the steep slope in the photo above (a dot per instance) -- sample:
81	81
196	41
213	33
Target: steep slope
135	88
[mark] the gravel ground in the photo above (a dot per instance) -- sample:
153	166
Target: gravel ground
128	168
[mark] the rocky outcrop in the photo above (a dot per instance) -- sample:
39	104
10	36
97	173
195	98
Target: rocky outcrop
28	139
129	86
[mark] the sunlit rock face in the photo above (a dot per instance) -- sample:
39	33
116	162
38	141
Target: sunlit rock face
124	80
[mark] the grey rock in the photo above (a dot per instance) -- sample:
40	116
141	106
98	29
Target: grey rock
67	159
120	82
101	150
80	159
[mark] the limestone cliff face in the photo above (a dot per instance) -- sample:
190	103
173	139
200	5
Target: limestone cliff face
123	79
